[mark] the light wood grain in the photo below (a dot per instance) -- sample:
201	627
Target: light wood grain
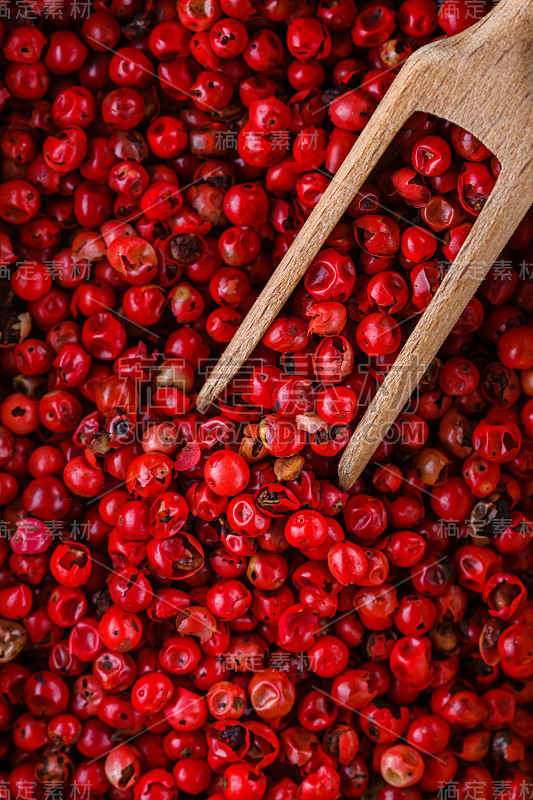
488	89
481	79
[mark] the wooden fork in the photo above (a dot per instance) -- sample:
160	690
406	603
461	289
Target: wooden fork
482	80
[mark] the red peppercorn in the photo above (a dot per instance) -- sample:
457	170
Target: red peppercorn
136	235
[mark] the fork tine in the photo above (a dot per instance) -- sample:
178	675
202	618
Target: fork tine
507	204
396	107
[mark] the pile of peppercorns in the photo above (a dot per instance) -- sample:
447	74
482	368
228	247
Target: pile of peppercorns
189	605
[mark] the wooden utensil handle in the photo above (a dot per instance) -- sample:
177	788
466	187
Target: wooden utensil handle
388	118
502	213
